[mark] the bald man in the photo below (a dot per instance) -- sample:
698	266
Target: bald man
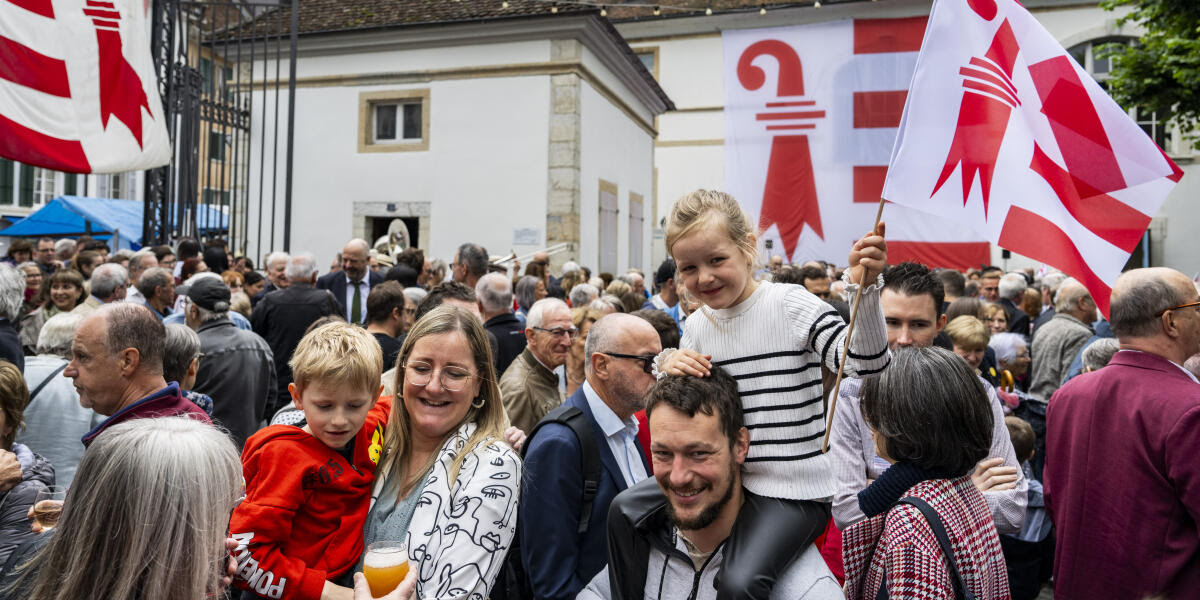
1122	482
353	283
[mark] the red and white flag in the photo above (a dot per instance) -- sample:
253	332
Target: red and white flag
1004	133
811	115
77	86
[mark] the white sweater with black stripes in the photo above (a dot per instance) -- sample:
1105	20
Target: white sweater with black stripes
773	344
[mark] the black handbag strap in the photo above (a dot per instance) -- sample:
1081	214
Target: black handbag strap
47	381
939	531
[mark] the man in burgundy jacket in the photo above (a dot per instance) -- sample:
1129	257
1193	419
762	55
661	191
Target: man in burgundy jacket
116	362
1122	478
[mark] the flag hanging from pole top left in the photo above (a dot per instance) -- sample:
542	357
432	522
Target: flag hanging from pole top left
77	86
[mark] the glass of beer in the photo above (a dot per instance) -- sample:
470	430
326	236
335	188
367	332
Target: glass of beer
47	506
385	565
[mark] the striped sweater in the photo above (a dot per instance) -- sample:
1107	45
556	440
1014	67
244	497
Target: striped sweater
773	344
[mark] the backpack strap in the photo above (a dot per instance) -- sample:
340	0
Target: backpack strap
46	381
589	456
939	531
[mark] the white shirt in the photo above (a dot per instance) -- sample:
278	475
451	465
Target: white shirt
364	290
620	435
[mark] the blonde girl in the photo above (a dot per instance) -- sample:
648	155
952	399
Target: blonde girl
772	338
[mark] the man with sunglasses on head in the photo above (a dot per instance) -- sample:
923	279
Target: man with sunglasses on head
559	553
529	385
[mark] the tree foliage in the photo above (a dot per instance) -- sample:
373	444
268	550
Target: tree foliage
1161	71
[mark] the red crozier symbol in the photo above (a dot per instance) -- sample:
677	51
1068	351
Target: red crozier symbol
790	194
121	91
988	100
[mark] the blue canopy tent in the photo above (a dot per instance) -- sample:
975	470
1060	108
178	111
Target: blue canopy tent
102	218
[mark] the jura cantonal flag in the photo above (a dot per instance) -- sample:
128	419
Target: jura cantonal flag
1005	133
77	86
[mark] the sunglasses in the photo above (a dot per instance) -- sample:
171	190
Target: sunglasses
1195	304
647	359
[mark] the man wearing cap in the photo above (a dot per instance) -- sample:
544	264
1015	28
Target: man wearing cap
237	368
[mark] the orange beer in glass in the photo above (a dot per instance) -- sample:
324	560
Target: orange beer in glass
385	565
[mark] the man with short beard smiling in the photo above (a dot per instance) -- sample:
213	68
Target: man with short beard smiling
668	537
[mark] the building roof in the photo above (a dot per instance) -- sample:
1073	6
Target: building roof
325	17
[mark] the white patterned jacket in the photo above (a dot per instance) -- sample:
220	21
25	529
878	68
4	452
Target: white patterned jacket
460	533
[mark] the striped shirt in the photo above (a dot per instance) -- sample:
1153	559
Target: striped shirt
773	345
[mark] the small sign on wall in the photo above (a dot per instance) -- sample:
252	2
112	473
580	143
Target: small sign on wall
527	236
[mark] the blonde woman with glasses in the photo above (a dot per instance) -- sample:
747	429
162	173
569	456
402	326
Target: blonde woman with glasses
447	481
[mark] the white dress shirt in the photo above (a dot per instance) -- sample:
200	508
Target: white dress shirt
620	435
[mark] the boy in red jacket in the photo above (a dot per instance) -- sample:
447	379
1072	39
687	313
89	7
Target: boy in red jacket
299	529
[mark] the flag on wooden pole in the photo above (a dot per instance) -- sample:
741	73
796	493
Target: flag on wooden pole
1005	133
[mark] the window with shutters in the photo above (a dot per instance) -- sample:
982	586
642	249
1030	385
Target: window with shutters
25	183
7	179
637	220
608	227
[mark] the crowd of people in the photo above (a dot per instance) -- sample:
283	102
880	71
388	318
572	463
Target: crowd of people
553	433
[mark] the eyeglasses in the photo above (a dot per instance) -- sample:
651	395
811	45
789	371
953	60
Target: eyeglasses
453	379
647	359
1195	304
559	332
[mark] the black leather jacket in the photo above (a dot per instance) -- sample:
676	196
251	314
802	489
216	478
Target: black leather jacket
638	520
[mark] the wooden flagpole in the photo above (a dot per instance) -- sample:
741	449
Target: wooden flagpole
837	383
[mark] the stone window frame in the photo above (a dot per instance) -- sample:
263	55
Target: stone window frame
366	121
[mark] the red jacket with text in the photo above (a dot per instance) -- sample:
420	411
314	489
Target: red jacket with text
301	522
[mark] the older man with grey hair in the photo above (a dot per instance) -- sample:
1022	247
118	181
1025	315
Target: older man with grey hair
583	294
276	271
1059	341
109	282
1012	290
238	369
494	294
1049	286
116	362
470	263
54	420
1122	482
12	295
138	264
156	287
282	318
529	386
558	558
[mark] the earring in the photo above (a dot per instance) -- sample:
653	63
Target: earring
477	402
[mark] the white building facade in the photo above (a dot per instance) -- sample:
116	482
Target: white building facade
516	134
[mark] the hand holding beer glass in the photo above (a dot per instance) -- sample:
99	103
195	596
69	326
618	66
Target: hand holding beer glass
47	506
385	565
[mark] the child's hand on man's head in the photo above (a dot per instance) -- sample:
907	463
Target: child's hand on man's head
685	361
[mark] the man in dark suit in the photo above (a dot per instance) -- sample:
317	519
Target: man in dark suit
1012	292
282	317
557	559
1122	482
494	294
353	283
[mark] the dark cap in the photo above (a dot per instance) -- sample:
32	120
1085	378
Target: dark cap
209	293
665	271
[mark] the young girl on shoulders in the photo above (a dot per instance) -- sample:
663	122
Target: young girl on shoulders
772	338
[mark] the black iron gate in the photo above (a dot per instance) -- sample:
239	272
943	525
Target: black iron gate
226	72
